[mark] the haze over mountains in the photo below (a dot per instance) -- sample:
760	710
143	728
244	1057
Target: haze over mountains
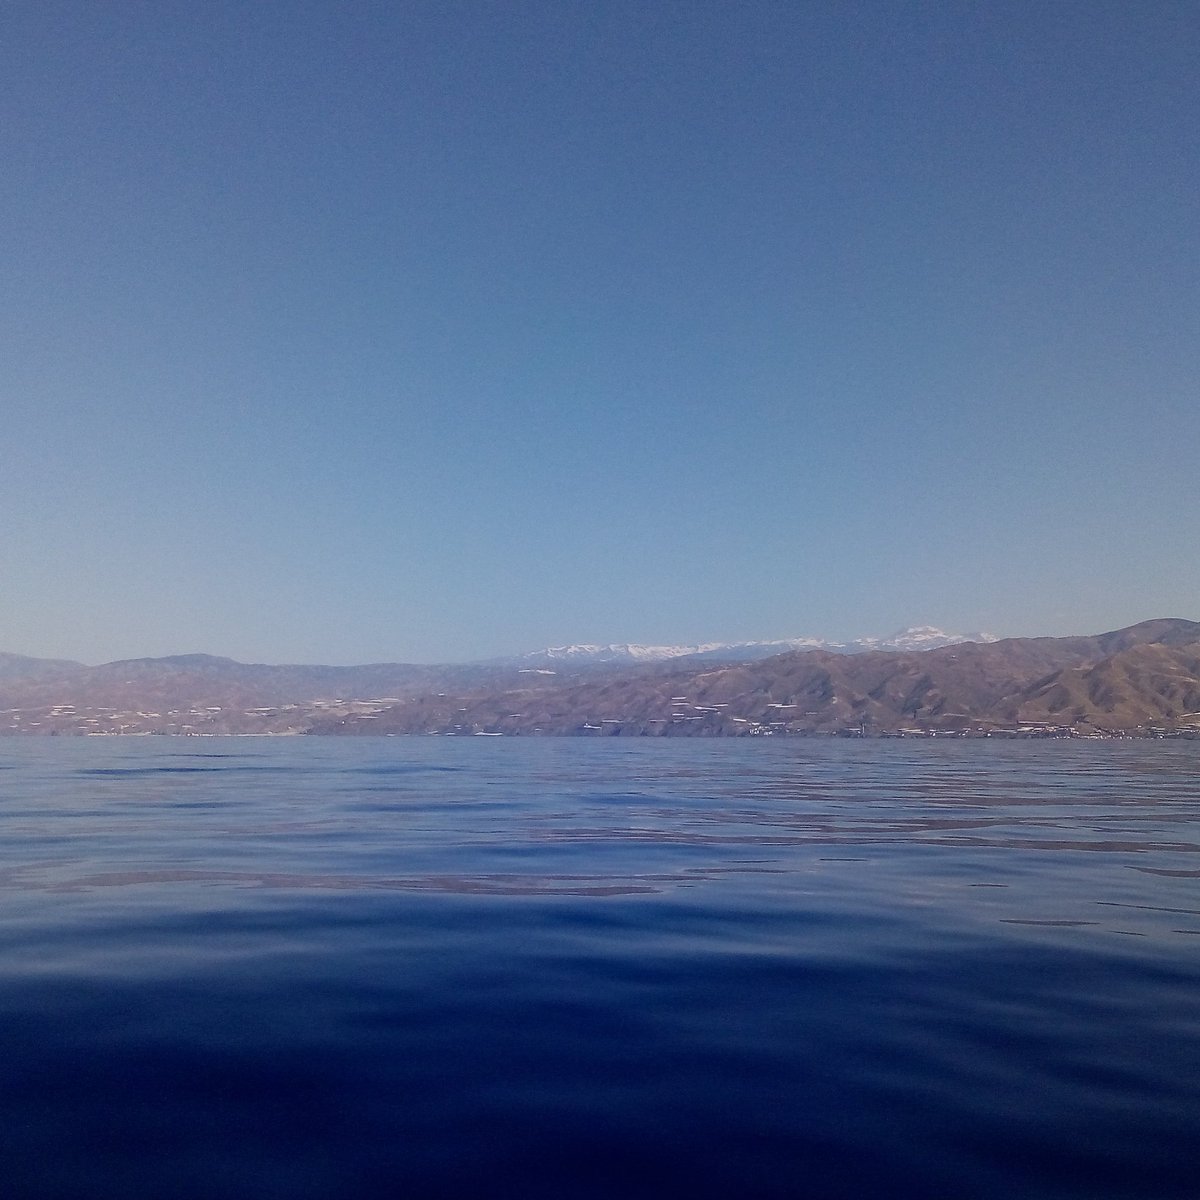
1144	679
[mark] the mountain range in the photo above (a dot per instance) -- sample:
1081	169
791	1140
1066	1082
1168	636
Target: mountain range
917	637
1143	679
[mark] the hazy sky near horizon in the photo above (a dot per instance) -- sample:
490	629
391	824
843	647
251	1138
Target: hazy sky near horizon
426	331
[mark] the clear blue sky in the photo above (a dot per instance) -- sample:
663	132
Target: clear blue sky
426	331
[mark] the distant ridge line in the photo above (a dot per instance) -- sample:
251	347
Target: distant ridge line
1143	680
914	638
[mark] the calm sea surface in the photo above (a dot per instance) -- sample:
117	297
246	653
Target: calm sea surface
570	968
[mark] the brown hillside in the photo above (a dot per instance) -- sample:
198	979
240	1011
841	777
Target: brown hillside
1144	685
1118	680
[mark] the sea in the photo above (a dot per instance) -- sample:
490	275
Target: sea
429	967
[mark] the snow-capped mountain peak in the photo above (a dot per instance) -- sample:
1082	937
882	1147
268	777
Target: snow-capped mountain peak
915	638
614	652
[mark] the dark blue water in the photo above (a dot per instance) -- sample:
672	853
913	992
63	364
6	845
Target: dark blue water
540	968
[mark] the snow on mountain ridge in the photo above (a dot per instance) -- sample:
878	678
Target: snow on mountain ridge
617	652
916	638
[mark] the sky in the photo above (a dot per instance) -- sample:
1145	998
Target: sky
432	331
